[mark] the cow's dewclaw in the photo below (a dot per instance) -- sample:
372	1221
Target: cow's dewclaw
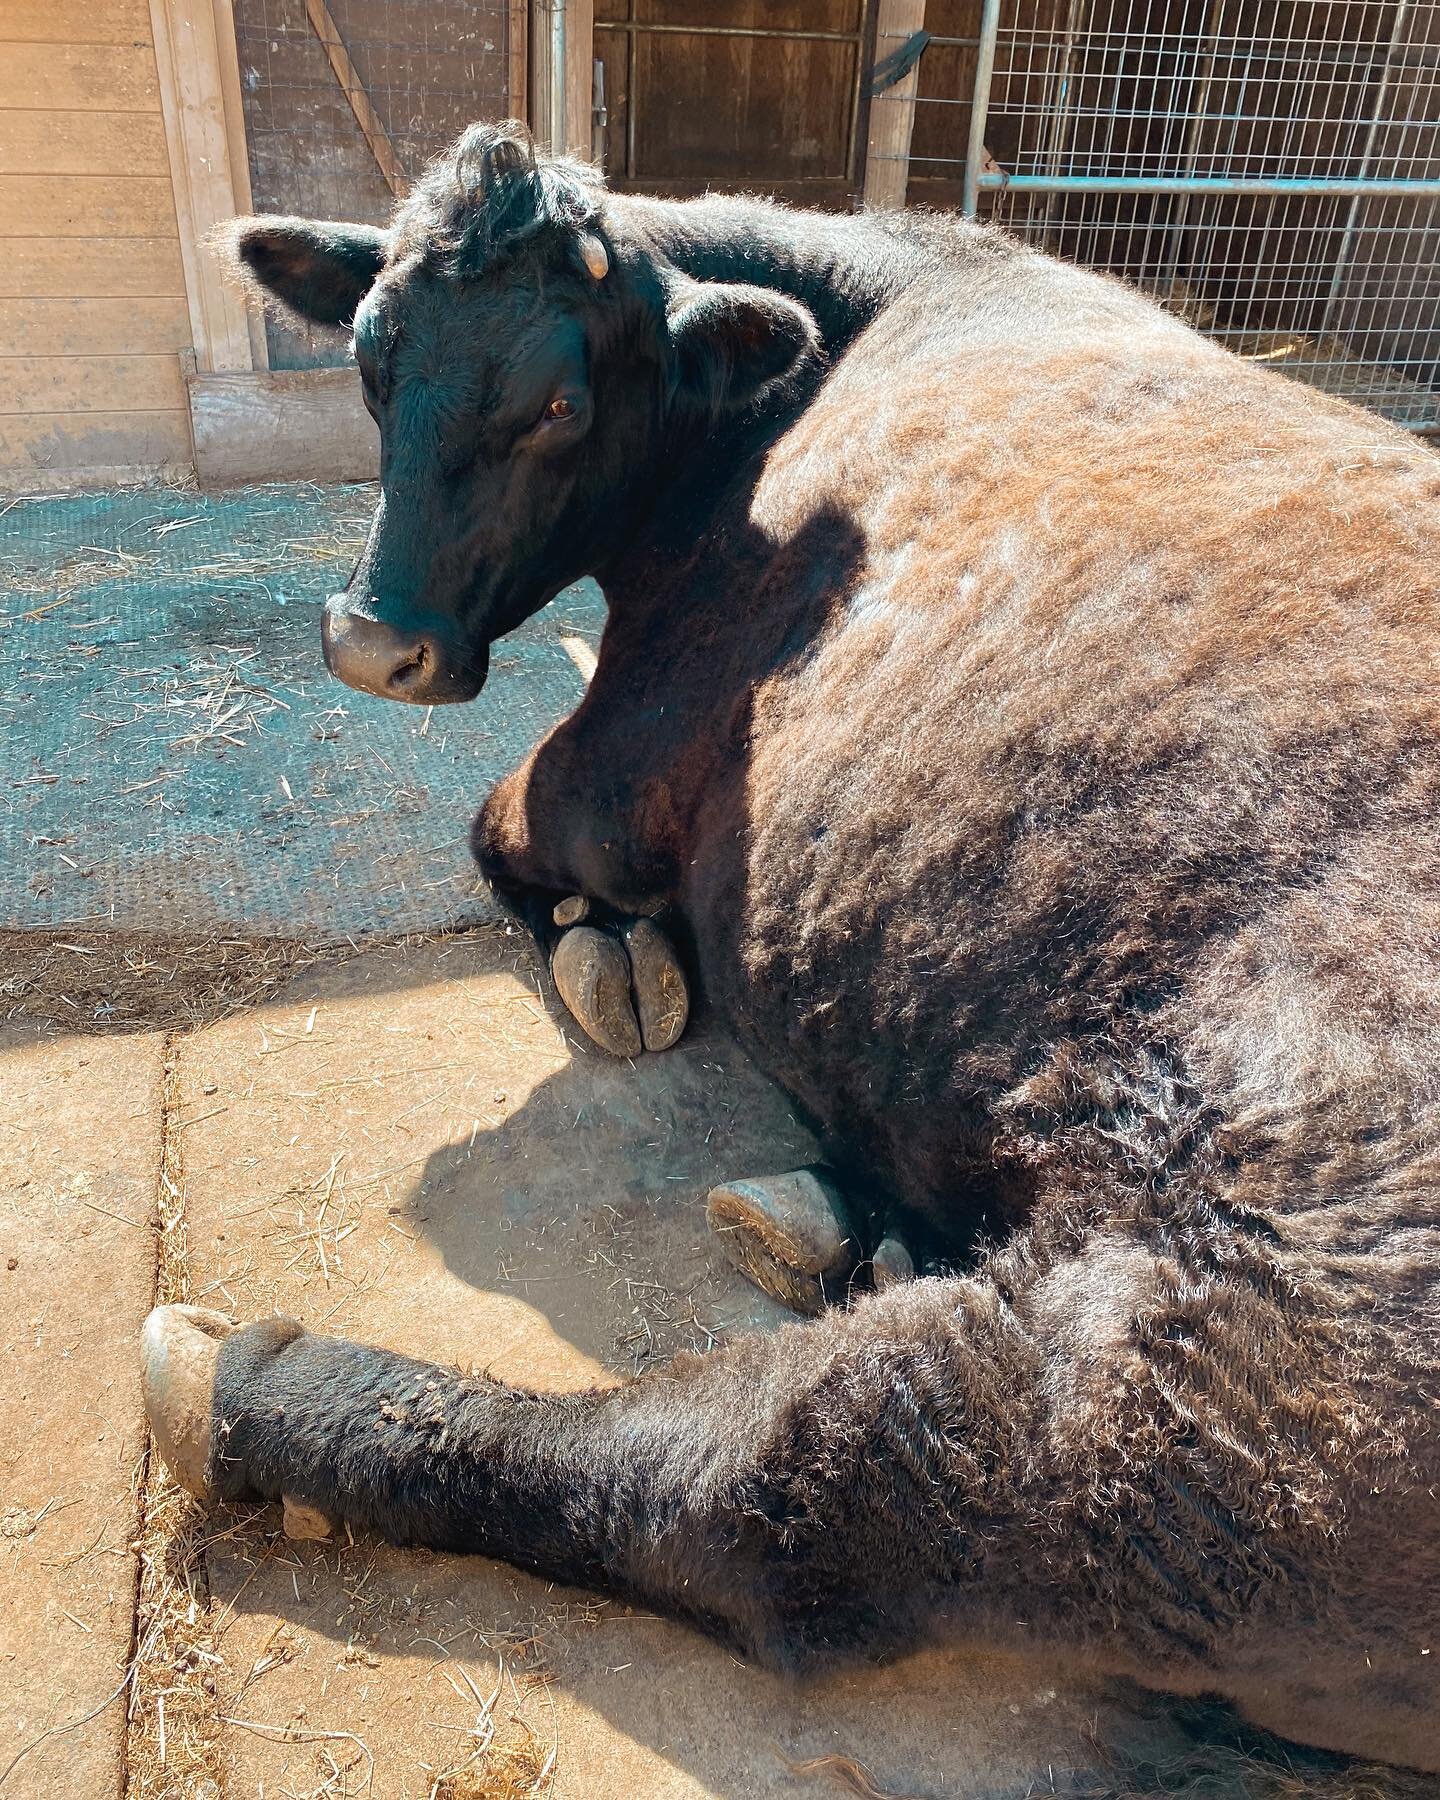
662	996
179	1347
573	911
892	1263
592	976
789	1234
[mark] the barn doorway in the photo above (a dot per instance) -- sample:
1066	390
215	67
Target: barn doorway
738	94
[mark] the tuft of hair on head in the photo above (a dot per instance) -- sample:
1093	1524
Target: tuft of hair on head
491	194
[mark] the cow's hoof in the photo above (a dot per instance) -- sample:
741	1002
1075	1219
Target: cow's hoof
179	1347
789	1234
592	976
892	1263
306	1524
662	997
627	994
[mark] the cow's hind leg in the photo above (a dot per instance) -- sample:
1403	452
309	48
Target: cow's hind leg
1125	1449
941	1454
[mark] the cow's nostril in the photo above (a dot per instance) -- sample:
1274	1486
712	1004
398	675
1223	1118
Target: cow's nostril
395	664
411	669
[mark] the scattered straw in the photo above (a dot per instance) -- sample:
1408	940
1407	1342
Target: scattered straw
523	1770
854	1777
104	981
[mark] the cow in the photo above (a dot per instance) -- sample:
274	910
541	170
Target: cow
1021	719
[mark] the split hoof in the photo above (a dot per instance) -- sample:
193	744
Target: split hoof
627	994
662	997
892	1263
788	1234
179	1348
592	975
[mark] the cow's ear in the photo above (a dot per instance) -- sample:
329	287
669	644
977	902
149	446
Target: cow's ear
732	342
316	270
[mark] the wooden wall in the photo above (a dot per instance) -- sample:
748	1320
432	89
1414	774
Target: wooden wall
694	102
92	287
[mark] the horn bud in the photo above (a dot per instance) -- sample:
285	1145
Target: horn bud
594	255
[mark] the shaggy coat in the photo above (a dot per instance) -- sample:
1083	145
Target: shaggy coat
1032	712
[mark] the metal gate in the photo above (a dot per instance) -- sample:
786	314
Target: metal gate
1268	168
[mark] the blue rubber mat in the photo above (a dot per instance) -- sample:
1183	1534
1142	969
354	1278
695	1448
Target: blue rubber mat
174	755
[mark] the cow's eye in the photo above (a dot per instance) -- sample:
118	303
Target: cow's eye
560	408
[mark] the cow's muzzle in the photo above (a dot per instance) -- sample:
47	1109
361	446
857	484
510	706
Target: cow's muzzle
419	666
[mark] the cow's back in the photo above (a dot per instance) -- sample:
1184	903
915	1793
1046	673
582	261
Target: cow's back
1119	680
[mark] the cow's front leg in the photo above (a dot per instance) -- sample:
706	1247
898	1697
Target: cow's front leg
620	979
559	866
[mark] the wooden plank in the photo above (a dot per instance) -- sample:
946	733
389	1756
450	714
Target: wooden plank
232	97
282	425
82	143
579	77
91	327
35	480
233	101
37	442
353	89
741	111
100	268
83	384
83	77
892	114
199	135
75	22
113	206
517	64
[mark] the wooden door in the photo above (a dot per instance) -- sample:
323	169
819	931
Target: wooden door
765	96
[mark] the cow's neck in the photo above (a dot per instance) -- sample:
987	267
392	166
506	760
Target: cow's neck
844	269
841	267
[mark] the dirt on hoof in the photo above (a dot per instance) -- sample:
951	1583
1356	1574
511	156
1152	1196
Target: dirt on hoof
662	996
304	1524
592	976
179	1347
789	1234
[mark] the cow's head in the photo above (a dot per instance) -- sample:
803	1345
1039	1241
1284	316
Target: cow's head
535	371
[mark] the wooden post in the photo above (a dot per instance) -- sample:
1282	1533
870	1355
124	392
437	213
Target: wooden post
199	135
517	70
579	77
239	152
892	114
562	74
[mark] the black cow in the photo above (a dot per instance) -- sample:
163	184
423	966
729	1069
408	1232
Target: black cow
1030	715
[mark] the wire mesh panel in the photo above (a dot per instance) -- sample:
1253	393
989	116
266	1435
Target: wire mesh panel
346	100
1269	168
